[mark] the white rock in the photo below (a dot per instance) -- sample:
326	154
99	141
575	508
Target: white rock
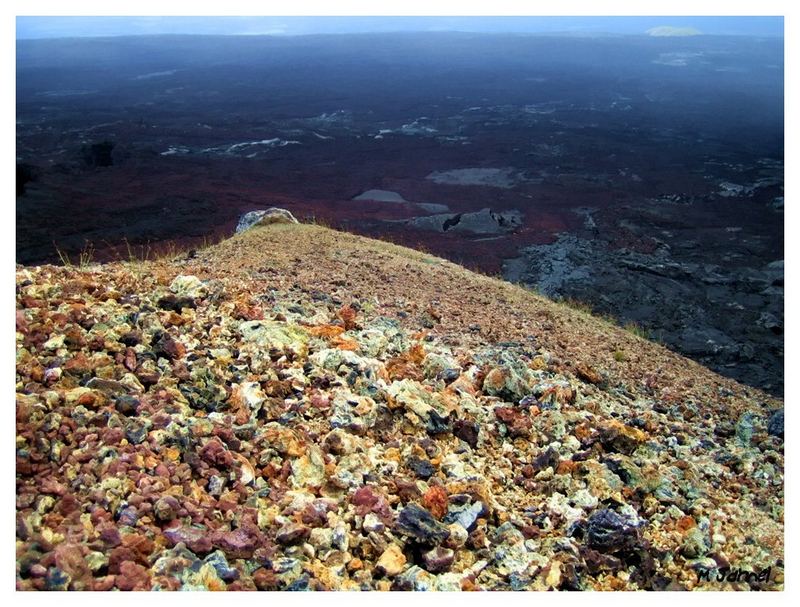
188	286
264	217
373	523
54	343
253	396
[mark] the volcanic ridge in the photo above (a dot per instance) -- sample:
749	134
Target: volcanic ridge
300	408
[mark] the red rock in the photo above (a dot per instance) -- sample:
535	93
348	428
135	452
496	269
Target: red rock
247	311
172	348
438	560
406	490
52	486
112	436
320	400
74	338
216	454
180	370
239	543
516	421
133	577
69	558
315	513
22	323
265	579
197	540
111	537
119	555
104	583
364	497
141	545
467	431
30	302
87	400
68	504
78	364
130	359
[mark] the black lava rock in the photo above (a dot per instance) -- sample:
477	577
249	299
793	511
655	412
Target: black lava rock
300	584
448	376
467	431
131	338
418	523
421	467
56	579
775	424
437	424
136	432
547	459
126	404
176	304
610	532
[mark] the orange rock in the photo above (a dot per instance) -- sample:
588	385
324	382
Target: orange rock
620	437
265	579
173	318
326	331
348	316
392	561
416	353
399	368
467	585
435	500
588	374
685	523
342	343
243	310
37	372
494	381
538	363
87	400
566	466
78	364
582	431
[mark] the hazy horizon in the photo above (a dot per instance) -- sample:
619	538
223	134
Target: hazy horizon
66	27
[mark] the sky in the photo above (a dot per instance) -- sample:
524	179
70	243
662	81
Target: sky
73	26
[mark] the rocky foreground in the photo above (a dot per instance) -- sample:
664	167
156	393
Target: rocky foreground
302	409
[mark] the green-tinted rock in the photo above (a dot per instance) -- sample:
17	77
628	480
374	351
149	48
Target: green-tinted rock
188	286
274	335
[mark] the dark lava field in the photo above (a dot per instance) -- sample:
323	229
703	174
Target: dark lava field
641	176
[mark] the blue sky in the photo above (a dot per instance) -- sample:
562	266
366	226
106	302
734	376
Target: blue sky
56	27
